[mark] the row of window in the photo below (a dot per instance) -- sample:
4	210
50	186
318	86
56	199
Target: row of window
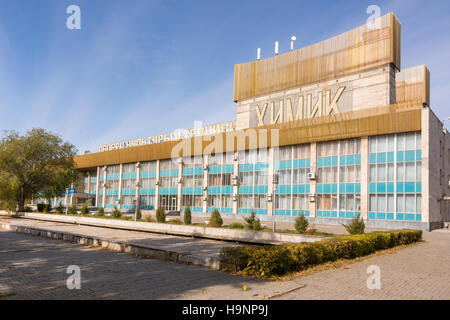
339	162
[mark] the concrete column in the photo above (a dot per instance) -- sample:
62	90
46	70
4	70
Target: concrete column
138	184
426	165
97	186
313	183
236	187
205	183
180	185
105	171
89	182
89	186
364	178
271	204
120	187
157	186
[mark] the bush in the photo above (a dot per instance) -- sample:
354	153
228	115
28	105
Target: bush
149	219
356	226
116	213
72	209
160	215
45	208
215	220
138	214
268	261
257	225
236	225
84	209
301	224
187	216
101	212
27	209
250	221
59	209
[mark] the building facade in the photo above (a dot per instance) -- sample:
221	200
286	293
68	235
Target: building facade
331	131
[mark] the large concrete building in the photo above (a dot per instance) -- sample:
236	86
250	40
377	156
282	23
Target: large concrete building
332	131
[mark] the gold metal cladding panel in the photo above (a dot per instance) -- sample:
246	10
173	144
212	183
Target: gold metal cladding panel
413	84
354	51
397	118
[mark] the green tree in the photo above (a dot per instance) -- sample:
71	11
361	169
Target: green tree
38	162
72	209
215	220
187	216
251	222
160	215
84	209
356	226
116	213
301	224
138	214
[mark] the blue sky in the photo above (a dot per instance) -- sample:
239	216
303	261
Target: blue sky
142	67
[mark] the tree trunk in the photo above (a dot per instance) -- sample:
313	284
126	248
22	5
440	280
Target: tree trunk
21	201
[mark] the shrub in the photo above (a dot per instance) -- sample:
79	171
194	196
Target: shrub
84	209
301	224
236	225
27	209
72	209
253	223
45	208
187	216
215	220
101	212
138	214
257	225
116	213
59	209
149	218
267	261
160	215
356	226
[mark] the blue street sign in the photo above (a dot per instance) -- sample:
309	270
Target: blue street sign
72	191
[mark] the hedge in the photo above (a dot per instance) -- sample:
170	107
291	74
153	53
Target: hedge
267	261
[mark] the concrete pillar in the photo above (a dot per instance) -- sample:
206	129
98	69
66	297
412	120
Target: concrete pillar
157	186
89	182
105	171
313	183
426	165
138	184
236	187
364	178
271	204
180	184
97	186
120	186
205	183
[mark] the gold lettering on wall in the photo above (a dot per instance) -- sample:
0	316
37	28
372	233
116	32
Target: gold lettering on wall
279	115
317	109
324	105
332	107
261	115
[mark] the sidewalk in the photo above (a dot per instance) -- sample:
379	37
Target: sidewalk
164	247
